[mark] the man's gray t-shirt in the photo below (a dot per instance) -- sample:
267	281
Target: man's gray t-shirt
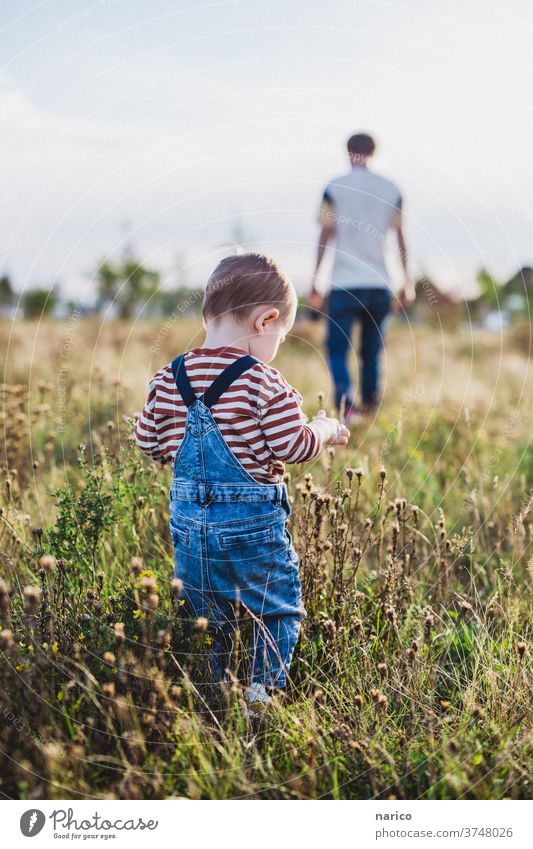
362	206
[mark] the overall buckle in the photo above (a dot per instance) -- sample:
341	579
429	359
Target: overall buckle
204	498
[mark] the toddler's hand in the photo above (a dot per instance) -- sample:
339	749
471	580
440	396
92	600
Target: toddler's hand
331	430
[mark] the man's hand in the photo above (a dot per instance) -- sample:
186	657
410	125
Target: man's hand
331	430
406	296
316	300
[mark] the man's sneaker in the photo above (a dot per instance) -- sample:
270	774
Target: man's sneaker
370	408
352	415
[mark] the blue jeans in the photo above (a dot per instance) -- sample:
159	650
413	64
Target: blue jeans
371	307
232	551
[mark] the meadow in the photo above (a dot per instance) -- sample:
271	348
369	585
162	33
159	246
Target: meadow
411	678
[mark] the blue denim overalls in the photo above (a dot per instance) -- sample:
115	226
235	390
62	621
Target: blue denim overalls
233	552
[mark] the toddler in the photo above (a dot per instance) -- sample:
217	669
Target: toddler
229	422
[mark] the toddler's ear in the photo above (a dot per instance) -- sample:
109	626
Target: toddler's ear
266	317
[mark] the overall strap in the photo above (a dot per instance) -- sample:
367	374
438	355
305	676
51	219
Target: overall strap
219	385
182	380
226	378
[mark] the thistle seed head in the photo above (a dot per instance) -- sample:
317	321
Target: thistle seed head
47	562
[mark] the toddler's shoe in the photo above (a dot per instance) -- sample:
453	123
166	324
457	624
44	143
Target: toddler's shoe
257	693
257	699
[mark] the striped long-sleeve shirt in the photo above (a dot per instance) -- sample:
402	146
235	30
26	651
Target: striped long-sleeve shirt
259	415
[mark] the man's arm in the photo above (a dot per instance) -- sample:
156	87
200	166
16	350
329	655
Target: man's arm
326	219
407	293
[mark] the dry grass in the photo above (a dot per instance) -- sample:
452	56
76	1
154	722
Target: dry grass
411	677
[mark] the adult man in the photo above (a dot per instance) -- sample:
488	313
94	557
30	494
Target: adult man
358	209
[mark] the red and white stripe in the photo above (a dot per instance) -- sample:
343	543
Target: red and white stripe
259	415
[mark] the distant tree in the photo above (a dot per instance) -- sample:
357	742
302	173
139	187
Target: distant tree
127	285
180	301
521	284
490	289
517	294
37	303
7	295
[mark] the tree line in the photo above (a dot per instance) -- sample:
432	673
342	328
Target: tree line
126	288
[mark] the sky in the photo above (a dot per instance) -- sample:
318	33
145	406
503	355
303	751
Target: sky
179	127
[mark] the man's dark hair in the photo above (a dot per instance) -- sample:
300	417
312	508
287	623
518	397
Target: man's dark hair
361	144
